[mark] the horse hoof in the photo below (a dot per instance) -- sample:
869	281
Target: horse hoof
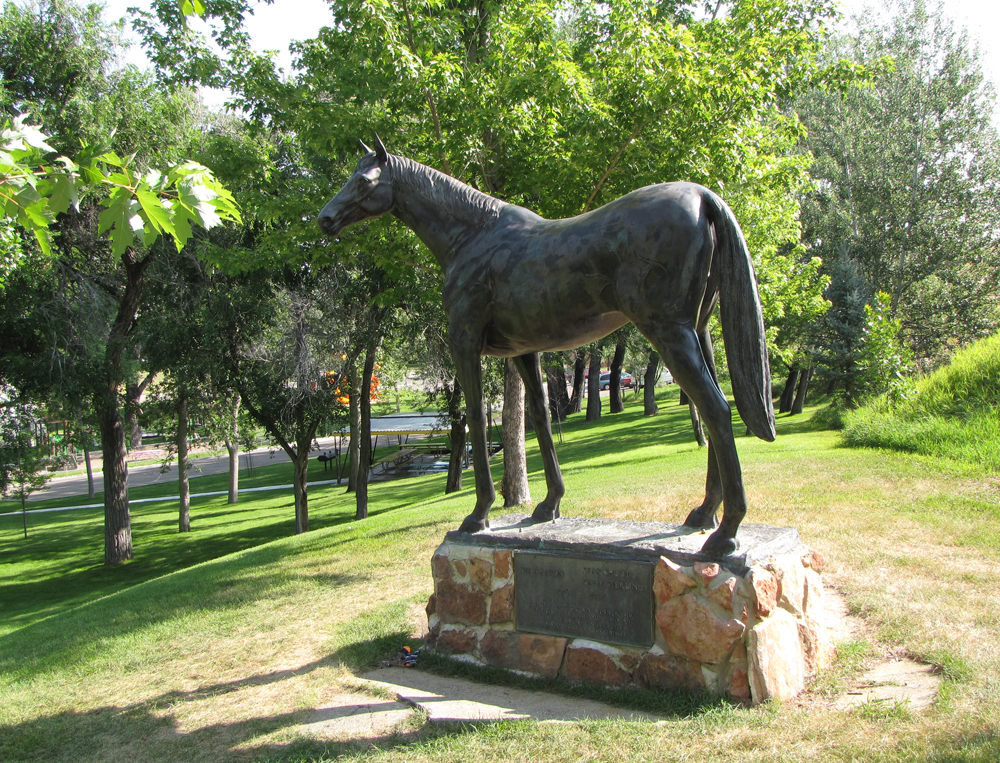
699	521
472	525
543	513
718	546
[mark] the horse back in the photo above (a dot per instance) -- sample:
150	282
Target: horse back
535	285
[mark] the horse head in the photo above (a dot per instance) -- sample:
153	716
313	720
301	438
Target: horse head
365	195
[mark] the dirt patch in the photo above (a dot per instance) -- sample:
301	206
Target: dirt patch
835	616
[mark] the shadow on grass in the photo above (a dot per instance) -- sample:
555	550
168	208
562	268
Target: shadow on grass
85	631
67	583
144	732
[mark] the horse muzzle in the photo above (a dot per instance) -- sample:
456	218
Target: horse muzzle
329	224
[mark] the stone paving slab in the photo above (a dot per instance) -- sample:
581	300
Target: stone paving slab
898	681
447	699
357	716
620	538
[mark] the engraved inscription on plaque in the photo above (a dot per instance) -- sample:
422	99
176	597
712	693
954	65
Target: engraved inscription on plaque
608	600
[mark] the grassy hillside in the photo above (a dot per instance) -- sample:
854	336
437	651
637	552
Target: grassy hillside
954	414
179	656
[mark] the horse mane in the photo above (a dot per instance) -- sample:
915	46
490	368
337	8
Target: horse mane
445	191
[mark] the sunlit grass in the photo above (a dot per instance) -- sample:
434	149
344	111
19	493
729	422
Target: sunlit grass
220	644
954	413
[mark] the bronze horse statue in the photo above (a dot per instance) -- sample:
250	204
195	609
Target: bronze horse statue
516	284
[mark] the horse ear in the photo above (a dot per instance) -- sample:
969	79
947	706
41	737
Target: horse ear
367	150
380	153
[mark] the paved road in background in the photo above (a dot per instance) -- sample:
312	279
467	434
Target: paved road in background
140	476
384	427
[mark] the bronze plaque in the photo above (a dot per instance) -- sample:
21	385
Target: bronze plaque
608	600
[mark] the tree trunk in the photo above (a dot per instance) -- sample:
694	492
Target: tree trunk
788	393
90	470
183	487
233	448
354	445
117	523
615	384
555	379
800	393
699	432
133	393
365	434
24	500
594	387
457	417
579	367
649	406
515	466
300	483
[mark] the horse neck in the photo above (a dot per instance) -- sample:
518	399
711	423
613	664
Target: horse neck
445	213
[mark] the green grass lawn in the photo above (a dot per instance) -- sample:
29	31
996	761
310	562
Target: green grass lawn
218	645
950	413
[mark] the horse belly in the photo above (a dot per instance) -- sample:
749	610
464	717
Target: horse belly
505	339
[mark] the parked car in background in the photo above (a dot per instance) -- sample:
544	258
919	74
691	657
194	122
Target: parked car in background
626	380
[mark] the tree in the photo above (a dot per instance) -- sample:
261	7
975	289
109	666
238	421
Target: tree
22	459
514	486
594	382
652	373
280	339
111	214
907	187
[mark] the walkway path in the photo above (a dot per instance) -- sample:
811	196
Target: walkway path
152	474
386	428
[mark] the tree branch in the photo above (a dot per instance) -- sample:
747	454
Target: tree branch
445	166
613	164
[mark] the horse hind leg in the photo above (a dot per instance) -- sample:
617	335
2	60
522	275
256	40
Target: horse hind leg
703	517
681	349
531	372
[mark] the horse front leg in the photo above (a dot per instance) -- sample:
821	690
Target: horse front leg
530	369
469	369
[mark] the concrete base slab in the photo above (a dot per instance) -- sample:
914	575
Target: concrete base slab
456	700
357	716
582	535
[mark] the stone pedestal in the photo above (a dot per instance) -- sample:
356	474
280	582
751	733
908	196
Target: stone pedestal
621	603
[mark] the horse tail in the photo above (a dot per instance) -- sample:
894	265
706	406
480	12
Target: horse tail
742	320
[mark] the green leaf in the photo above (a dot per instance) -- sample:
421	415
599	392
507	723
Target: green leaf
157	215
42	236
64	194
182	226
192	8
117	219
36	215
112	158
